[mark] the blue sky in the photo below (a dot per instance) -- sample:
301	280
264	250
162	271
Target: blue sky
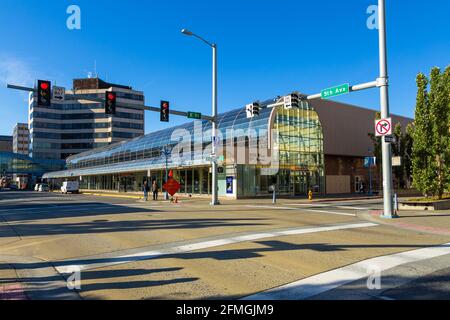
266	48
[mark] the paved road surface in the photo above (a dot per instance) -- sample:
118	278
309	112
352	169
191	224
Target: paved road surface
129	249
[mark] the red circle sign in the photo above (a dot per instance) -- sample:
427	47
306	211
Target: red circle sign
383	127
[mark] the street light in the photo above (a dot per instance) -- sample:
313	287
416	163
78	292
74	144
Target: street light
215	200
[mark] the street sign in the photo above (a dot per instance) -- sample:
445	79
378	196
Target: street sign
335	91
172	186
229	185
59	93
216	158
383	127
370	162
194	115
396	161
389	139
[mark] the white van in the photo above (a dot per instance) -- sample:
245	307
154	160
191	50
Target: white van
70	187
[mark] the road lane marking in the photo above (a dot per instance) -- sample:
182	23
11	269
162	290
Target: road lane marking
269	207
98	261
331	212
323	282
327	206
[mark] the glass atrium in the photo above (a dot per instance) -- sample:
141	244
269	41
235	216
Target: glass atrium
282	147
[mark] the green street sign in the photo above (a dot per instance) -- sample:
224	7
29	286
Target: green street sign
194	115
335	91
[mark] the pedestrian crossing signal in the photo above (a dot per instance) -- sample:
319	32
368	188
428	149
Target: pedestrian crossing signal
253	109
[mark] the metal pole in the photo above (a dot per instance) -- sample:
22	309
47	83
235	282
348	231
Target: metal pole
215	198
166	194
384	101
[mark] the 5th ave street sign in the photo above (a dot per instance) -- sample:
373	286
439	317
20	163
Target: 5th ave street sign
335	91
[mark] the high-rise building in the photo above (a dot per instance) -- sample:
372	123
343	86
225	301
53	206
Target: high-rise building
21	136
6	143
75	125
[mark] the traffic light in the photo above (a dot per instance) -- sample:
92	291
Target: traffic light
292	101
110	103
253	109
44	93
165	111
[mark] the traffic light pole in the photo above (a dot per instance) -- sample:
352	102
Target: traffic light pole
90	98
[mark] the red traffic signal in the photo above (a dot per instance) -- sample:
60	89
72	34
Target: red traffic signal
44	93
110	103
165	111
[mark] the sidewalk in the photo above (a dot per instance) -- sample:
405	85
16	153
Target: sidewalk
436	222
316	198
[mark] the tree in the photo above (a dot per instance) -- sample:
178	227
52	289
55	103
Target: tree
431	134
402	147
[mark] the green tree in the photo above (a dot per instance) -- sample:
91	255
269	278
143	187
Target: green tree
439	129
421	169
402	147
431	134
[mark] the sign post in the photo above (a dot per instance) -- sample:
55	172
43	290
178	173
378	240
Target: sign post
383	80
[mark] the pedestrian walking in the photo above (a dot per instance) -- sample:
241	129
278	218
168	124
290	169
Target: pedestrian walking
145	189
155	190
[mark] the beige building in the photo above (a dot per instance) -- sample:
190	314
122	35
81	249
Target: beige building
21	136
76	125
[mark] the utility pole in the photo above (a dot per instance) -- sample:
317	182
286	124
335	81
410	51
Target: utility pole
215	198
384	102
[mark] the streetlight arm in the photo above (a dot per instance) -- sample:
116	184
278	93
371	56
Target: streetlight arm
205	41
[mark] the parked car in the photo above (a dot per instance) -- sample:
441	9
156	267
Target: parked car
70	187
44	188
36	187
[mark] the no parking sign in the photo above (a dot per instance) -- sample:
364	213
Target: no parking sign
383	127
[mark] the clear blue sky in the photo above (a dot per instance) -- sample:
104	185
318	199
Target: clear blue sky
266	48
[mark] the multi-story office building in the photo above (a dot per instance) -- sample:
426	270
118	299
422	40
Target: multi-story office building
6	143
75	125
21	136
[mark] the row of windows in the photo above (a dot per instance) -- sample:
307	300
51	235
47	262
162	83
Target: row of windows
56	146
123	95
75	106
71	136
84	116
77	126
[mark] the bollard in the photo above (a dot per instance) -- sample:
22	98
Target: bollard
274	200
395	203
310	195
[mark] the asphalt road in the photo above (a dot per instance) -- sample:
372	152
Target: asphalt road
129	249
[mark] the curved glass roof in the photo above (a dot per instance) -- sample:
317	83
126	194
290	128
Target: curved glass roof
235	119
147	152
14	163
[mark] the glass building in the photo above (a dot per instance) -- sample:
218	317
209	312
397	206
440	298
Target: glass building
281	147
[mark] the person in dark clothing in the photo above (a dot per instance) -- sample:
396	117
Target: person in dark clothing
145	189
155	190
